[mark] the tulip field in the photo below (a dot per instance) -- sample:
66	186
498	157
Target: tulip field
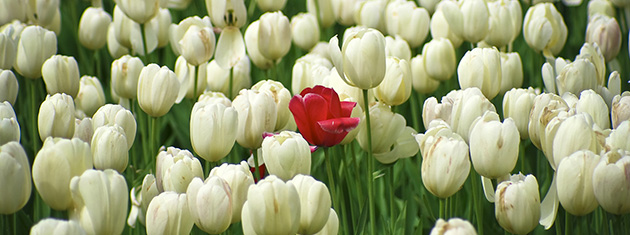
274	117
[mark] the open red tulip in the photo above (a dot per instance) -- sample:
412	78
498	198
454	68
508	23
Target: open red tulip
322	119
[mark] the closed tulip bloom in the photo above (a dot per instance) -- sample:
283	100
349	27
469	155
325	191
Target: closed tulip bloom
475	19
140	199
604	30
253	50
218	78
91	25
168	213
210	204
56	117
12	10
257	113
15	178
344	11
262	212
544	28
332	225
396	87
501	20
281	96
8	48
52	226
116	114
225	13
618	138
371	14
511	71
115	49
325	10
230	47
432	110
468	106
91	95
445	164
83	129
517	207
517	104
610	182
361	62
188	74
439	59
551	104
315	203
100	201
177	31
440	27
271	5
239	178
212	126
197	45
603	7
140	11
36	45
157	90
9	126
577	76
404	18
304	30
494	146
61	75
125	74
420	80
453	226
592	103
309	70
481	68
175	168
274	35
286	155
54	166
620	110
384	123
574	133
397	47
575	182
108	148
42	12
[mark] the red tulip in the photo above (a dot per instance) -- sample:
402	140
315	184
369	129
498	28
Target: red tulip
322	119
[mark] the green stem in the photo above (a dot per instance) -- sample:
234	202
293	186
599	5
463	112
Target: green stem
391	199
144	45
231	84
34	135
370	161
567	222
154	137
256	167
331	180
477	201
442	208
196	72
356	173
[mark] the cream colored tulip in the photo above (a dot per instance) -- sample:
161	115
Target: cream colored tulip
253	50
218	78
620	109
544	28
481	68
575	182
396	86
116	114
439	59
51	226
197	45
304	30
36	45
106	148
274	35
9	126
56	117
511	71
15	178
175	169
315	203
168	213
421	81
494	145
453	226
188	74
227	12
158	90
404	18
286	155
262	214
517	207
397	47
8	86
257	113
239	178
177	31
309	71
212	126
361	62
91	95
140	11
91	25
210	204
610	182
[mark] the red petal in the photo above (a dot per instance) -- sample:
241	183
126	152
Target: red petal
346	108
339	125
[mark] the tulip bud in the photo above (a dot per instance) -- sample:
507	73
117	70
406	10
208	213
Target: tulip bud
106	157
371	14
42	12
603	7
577	76
620	110
610	182
468	106
517	105
197	45
157	90
187	74
274	217
420	80
15	178
475	19
308	71
128	33
227	12
8	49
91	25
592	53
315	203
286	155
116	114
53	226
440	27
175	168
511	71
83	129
168	213
281	96
55	164
396	86
445	164
271	5
56	117
604	31
253	50
545	107
239	178
177	31
274	35
439	59
481	67
432	110
35	46
103	212
61	75
211	129
453	226
361	63
257	113
574	185
91	95
494	145
404	18
218	78
304	30
12	10
210	204
514	208
593	104
544	28
618	138
115	49
384	123
397	47
504	24
140	11
125	74
160	24
573	134
9	126
325	10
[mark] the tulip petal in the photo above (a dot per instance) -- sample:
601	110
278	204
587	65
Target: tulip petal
346	108
336	57
339	125
488	189
549	206
230	48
